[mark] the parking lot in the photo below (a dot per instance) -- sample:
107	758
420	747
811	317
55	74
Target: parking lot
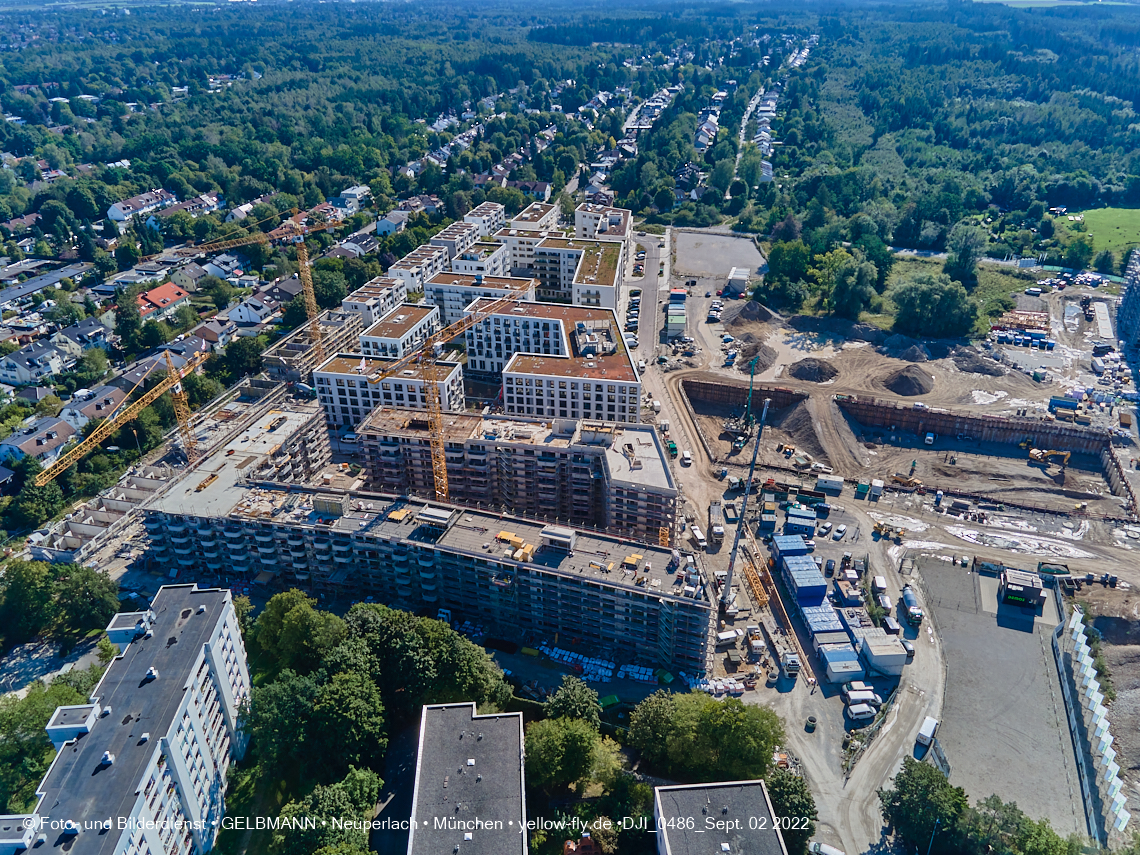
1003	722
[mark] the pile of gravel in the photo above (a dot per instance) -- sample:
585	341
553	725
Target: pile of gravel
813	370
971	361
909	381
748	313
751	346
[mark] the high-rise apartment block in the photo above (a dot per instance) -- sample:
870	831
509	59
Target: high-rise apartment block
488	217
348	395
401	331
602	222
453	292
420	265
581	272
484	258
597	474
142	766
376	298
537	216
456	238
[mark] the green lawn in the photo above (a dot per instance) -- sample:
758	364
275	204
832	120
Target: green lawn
1112	228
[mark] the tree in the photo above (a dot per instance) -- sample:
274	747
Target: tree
295	313
1079	253
559	752
108	650
921	798
663	200
28	603
278	719
128	321
349	724
788	261
306	635
574	699
33	506
931	305
1105	261
270	622
648	722
964	247
854	289
790	797
243	357
86	599
325	805
826	268
127	254
92	365
721	176
49	405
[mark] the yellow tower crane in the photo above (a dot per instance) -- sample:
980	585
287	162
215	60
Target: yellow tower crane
425	359
130	411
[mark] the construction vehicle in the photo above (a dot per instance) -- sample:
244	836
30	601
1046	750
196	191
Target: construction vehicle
128	412
1042	456
905	480
782	651
741	428
909	606
672	446
716	522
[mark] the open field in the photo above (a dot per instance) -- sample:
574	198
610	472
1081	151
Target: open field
1113	228
711	254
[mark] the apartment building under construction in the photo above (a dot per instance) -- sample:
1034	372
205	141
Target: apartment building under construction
519	578
293	358
587	473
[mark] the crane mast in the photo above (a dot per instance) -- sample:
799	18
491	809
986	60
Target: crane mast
726	592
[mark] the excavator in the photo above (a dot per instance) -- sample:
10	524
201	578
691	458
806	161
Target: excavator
1038	455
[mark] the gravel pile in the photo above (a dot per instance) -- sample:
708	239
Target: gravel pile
813	370
909	381
969	360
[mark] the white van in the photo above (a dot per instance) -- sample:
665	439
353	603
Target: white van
687	458
869	698
823	849
861	712
927	731
699	537
879	584
641	366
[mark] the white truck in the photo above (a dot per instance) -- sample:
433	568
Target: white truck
782	651
716	522
699	536
927	731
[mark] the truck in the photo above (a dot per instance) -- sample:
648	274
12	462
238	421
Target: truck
930	439
927	731
672	446
656	406
782	651
699	536
716	522
730	513
909	606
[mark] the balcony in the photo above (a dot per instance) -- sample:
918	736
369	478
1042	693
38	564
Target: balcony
234	533
342	547
180	539
296	540
263	537
426	559
176	527
265	550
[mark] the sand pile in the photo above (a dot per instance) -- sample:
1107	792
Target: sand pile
749	347
914	353
797	423
813	370
909	381
970	360
748	313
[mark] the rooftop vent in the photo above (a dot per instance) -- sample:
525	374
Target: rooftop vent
202	609
107	759
106	712
145	737
470	761
70	827
151	674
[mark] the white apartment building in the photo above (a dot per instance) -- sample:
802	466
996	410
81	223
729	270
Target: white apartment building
453	292
537	216
581	272
602	221
520	245
152	747
536	328
419	265
456	238
376	298
484	258
347	396
488	217
401	331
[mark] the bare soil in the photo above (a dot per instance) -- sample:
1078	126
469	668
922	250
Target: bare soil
909	382
1117	619
813	370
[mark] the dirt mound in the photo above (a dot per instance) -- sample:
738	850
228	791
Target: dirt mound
837	326
813	370
909	381
969	360
914	353
751	346
798	424
748	313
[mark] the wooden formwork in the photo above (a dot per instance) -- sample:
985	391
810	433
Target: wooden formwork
734	395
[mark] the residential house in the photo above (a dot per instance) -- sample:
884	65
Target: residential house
392	223
351	200
360	245
162	302
92	404
253	311
144	203
217	333
239	213
283	290
204	204
539	190
224	266
34	394
188	276
136	373
32	364
42	439
86	334
428	204
187	346
19	225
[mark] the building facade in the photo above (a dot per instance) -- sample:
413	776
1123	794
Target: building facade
456	238
401	331
453	292
484	258
419	265
602	221
581	272
537	216
153	746
376	298
347	395
293	358
488	217
593	474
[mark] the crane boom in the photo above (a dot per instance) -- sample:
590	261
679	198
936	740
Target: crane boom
727	591
104	428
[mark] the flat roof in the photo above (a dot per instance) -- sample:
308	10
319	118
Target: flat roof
469	794
400	321
743	805
419	255
533	212
77	786
455	229
363	366
617	367
377	287
532	234
484	209
476	280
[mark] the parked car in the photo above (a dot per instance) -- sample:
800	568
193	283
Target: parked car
861	712
825	528
829	568
708	293
840	532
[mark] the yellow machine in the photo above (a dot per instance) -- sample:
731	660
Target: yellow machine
905	480
1042	456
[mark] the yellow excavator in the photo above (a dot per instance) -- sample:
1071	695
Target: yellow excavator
1039	455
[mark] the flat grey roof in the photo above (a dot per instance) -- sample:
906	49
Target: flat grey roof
469	781
736	802
77	787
